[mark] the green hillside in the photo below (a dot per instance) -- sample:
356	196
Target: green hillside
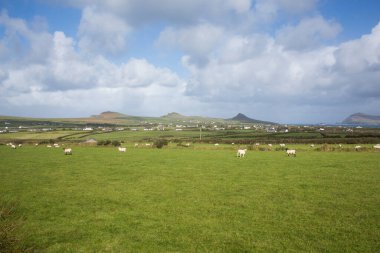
116	118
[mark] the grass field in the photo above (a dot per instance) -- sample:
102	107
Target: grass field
332	136
190	200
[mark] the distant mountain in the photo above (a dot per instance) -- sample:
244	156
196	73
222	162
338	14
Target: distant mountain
244	119
362	119
174	115
194	119
110	115
116	118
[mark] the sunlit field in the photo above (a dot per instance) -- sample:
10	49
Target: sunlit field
201	198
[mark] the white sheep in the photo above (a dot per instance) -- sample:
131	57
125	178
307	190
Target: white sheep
68	151
290	152
241	152
122	149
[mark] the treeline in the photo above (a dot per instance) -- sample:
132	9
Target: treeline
109	142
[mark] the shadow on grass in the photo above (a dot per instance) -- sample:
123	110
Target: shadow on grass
10	222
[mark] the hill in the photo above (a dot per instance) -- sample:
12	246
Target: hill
244	119
116	118
362	119
110	115
174	116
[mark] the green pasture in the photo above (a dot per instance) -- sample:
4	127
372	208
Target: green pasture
194	135
128	135
193	200
26	135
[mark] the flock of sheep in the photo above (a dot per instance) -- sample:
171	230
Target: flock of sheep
240	152
289	152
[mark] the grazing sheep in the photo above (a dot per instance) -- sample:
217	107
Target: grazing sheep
312	145
68	151
216	144
377	146
241	152
13	146
282	145
136	145
290	152
122	149
19	145
358	147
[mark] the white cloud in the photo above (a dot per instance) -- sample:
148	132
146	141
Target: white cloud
232	65
102	32
296	6
237	48
138	72
183	12
65	77
22	44
266	11
260	73
360	55
198	41
358	65
308	34
240	6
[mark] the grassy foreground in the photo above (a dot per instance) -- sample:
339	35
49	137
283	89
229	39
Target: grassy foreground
186	200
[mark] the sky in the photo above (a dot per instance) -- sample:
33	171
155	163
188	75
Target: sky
286	61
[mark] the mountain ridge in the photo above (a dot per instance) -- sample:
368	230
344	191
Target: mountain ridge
243	118
362	119
117	118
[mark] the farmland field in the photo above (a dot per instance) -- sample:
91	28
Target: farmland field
187	200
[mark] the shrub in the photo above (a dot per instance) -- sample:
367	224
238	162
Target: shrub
104	142
116	143
160	143
250	147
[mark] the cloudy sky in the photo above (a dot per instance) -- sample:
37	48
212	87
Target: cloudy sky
288	61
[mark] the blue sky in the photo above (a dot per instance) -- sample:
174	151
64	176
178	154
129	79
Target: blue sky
288	61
